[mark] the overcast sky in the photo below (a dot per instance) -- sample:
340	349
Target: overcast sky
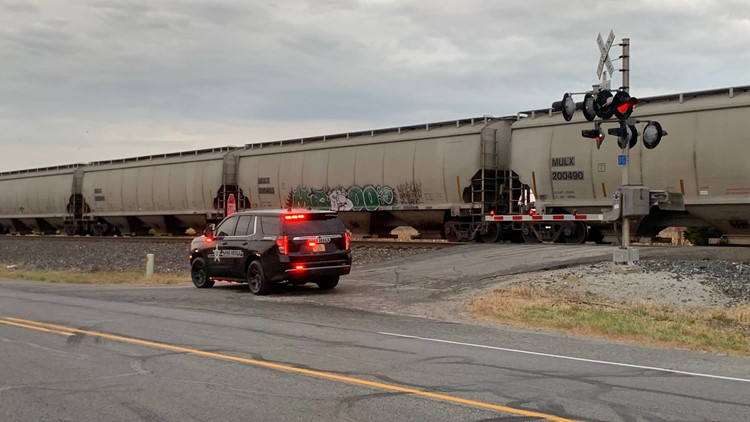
94	80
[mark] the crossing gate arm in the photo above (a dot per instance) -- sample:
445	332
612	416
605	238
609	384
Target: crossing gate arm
546	217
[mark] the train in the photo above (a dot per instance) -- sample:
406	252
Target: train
442	178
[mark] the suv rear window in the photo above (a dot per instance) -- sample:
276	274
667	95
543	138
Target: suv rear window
269	225
315	224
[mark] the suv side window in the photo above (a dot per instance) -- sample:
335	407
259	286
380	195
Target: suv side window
245	226
226	228
270	225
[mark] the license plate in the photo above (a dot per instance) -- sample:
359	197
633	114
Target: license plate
319	248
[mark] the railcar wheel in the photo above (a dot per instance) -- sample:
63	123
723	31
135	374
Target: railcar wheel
199	275
492	234
578	235
529	236
451	233
256	279
328	283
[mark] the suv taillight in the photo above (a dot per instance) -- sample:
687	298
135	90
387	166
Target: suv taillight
348	240
283	244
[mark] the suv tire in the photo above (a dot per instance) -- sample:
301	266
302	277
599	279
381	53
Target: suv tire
327	283
199	275
256	279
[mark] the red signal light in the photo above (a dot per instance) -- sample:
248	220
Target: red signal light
294	217
299	267
311	243
209	239
599	139
629	104
596	134
348	241
623	104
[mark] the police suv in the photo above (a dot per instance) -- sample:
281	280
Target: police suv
266	247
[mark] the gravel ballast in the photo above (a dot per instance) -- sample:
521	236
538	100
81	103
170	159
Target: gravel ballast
88	255
689	276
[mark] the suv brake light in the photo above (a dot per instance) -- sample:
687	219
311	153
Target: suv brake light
283	244
294	217
348	238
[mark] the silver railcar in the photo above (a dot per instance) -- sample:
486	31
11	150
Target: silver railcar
36	200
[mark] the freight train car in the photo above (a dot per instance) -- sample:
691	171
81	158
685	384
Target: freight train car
168	192
37	200
705	157
439	178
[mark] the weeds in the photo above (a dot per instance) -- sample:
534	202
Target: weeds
94	277
725	330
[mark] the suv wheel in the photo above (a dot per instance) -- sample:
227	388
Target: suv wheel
256	279
199	274
328	283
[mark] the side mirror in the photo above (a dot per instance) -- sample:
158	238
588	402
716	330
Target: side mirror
209	232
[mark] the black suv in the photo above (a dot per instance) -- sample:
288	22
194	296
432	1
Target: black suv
266	247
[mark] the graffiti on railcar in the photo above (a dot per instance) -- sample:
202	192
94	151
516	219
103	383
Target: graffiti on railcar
355	197
410	193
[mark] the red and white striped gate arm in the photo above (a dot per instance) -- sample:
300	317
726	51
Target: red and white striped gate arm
546	217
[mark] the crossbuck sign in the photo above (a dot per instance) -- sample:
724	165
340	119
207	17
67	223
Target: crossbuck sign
604	50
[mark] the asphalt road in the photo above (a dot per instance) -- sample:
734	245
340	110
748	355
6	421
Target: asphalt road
179	353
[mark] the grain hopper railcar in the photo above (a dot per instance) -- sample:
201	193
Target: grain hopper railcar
439	178
168	192
37	200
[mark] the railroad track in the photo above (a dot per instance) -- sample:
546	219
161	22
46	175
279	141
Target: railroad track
186	239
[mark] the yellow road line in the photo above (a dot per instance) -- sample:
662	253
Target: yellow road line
15	324
266	364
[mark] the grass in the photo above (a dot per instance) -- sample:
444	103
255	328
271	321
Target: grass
95	277
712	330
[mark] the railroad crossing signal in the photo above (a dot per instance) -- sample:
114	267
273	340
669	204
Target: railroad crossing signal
567	106
652	134
604	104
588	107
596	133
604	51
623	104
627	135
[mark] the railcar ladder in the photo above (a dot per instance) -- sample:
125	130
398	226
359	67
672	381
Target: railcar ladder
484	187
229	185
518	194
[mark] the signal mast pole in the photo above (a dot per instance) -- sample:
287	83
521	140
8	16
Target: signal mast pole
626	150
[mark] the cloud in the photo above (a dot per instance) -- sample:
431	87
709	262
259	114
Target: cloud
160	75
